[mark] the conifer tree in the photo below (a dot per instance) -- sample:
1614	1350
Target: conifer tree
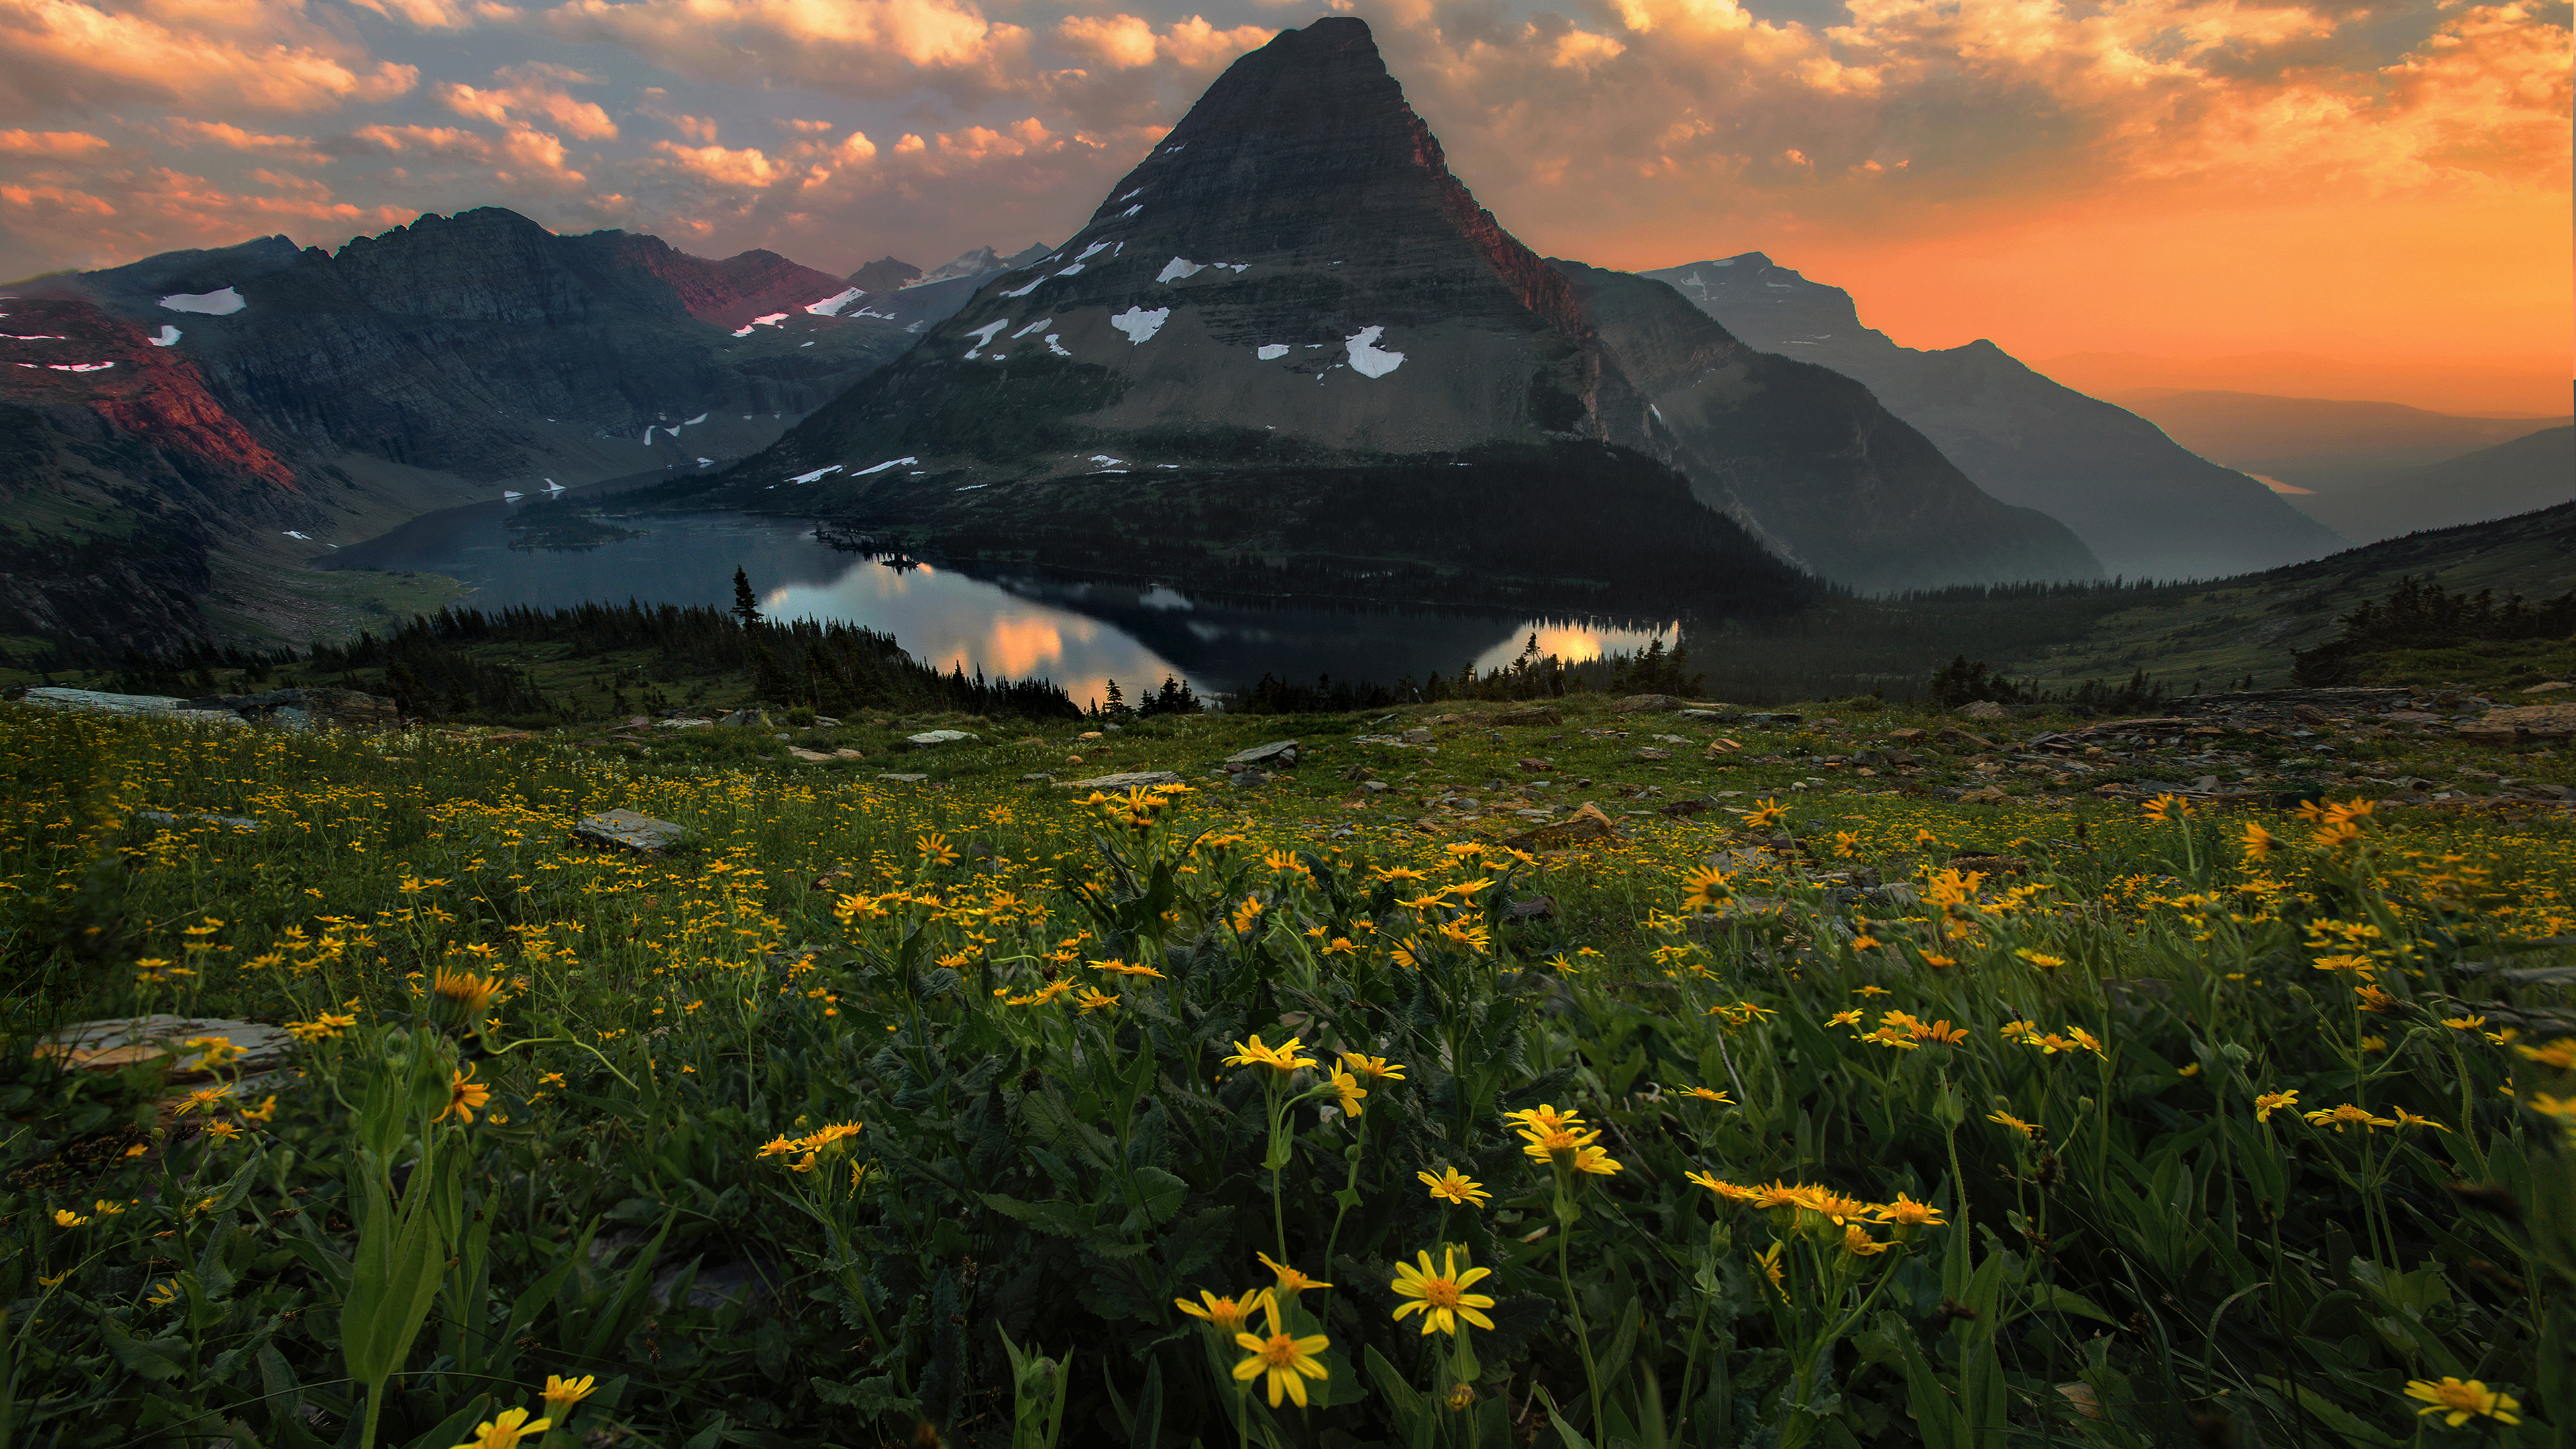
746	604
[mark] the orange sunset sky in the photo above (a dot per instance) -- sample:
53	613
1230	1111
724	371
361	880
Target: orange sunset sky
2378	186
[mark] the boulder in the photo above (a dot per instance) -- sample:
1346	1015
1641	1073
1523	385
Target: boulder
1647	703
930	739
901	779
1984	709
628	830
1129	780
1277	752
1586	824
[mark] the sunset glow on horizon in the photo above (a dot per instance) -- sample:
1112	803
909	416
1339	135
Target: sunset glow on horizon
2182	179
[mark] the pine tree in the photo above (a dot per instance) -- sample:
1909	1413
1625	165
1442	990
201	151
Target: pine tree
746	604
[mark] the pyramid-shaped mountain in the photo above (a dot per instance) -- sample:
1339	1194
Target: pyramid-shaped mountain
1291	331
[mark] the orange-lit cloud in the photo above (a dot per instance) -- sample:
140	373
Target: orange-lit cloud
261	55
847	46
50	143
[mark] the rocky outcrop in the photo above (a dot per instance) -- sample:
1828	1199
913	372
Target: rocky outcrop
67	351
2144	505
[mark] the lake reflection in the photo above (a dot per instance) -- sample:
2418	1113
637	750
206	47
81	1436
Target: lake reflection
1080	635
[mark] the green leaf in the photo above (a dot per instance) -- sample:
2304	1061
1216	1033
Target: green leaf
158	1361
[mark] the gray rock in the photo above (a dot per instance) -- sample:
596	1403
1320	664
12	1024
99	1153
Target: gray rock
929	738
109	1045
627	829
1375	787
1038	778
1984	709
134	706
1125	781
237	822
1283	752
1248	778
901	779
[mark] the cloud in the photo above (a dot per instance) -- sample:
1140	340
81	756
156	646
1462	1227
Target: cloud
441	14
187	133
747	168
519	156
259	56
50	143
850	47
528	95
1129	42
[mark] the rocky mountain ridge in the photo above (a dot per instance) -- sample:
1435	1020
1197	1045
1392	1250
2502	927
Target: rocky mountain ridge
263	402
2145	505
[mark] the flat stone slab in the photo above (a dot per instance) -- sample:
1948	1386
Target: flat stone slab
901	779
929	738
1282	752
132	706
241	823
1129	780
107	1046
627	829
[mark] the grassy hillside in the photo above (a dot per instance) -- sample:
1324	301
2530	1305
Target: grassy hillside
911	1110
2249	626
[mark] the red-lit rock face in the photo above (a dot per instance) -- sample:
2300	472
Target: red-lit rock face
730	292
52	350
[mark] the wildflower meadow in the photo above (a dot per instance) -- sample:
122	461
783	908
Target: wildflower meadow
978	1111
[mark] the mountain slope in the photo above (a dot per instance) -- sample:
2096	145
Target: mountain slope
1808	455
1310	289
2534	471
2146	506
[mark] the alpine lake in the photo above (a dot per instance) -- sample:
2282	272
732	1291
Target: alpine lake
1081	635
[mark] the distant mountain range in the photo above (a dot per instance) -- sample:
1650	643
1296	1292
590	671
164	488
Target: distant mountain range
913	299
262	402
2495	387
2362	467
2534	471
1323	347
2146	507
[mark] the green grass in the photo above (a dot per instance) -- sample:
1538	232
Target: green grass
649	1196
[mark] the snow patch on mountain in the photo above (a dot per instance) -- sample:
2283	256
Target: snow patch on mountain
1367	358
1141	325
222	302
